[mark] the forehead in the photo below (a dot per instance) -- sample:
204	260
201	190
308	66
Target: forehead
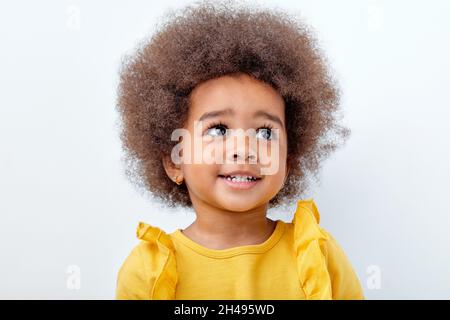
242	93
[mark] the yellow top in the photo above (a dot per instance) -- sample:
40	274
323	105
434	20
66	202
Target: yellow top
300	260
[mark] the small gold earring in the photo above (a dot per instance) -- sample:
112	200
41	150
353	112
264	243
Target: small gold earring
178	180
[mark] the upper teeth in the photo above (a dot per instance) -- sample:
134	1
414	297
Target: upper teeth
240	178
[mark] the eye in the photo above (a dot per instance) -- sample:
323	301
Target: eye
265	133
217	130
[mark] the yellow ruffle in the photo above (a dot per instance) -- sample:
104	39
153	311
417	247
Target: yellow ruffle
309	242
162	260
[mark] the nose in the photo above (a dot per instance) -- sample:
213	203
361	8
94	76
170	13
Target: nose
242	149
237	155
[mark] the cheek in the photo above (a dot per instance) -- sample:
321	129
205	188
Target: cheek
198	167
276	179
272	158
199	176
198	149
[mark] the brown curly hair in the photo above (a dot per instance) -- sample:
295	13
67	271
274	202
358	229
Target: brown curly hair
210	39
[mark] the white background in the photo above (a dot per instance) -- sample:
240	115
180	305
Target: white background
64	199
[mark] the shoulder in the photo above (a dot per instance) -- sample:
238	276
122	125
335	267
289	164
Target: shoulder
344	280
324	269
149	271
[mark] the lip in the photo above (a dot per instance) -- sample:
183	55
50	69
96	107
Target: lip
240	185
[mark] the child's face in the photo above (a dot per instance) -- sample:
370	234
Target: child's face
252	105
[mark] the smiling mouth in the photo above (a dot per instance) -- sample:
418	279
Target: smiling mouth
240	182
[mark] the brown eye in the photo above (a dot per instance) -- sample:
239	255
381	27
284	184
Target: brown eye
265	133
217	130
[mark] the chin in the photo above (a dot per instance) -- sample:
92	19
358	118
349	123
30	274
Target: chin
238	205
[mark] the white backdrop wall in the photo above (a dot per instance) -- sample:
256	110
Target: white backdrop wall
66	207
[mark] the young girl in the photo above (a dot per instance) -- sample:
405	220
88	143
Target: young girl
228	68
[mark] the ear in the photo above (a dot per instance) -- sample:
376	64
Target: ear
172	170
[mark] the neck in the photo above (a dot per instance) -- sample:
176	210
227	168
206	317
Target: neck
216	228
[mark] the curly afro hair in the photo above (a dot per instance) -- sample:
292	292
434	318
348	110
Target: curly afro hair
208	40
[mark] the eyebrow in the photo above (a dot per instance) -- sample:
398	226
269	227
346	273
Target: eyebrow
214	114
258	114
274	118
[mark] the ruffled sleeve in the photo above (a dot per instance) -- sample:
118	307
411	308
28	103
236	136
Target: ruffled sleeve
324	270
149	272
